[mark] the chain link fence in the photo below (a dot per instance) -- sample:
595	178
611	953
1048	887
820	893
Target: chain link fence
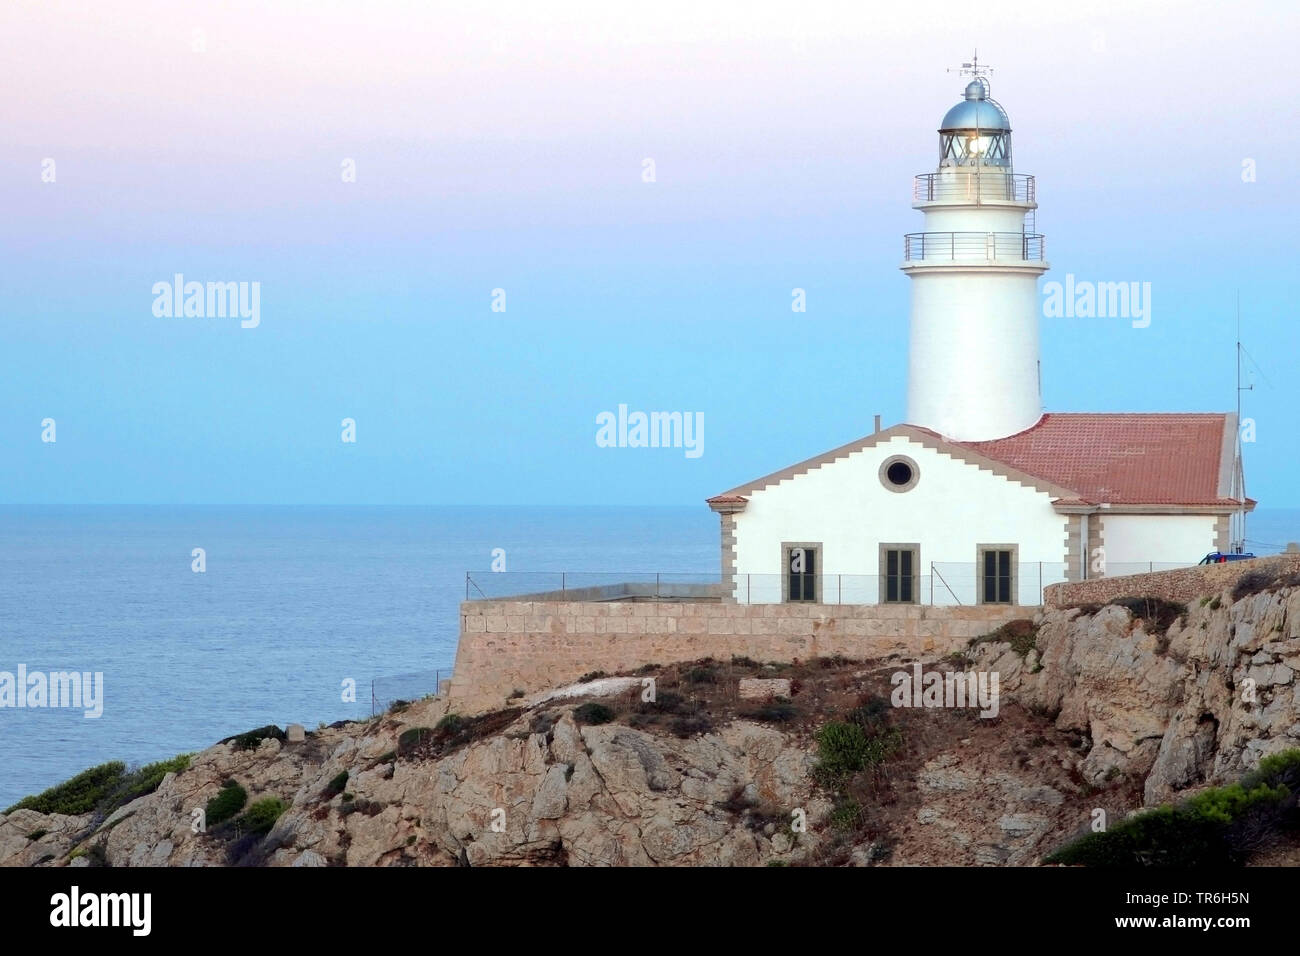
410	687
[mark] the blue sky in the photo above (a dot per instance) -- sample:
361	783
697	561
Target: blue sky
503	149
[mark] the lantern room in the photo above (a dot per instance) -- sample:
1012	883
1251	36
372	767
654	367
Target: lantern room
975	132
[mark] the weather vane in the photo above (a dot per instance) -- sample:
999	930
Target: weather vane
973	68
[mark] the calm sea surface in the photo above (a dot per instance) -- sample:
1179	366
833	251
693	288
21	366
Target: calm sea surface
293	602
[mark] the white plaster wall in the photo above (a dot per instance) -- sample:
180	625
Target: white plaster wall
1163	539
953	508
973	354
974	218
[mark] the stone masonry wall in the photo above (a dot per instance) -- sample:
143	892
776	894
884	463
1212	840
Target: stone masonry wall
532	646
1181	585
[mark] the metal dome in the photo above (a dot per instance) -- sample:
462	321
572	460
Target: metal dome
977	111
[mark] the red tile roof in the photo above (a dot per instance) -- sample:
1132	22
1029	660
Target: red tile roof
1123	458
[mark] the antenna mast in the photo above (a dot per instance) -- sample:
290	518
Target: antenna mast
1239	545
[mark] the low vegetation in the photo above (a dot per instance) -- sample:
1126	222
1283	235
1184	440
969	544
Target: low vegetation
103	789
1264	579
261	816
336	785
1219	826
227	802
847	748
252	739
1158	614
592	713
1021	634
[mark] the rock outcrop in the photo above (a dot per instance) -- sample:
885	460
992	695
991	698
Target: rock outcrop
1115	710
1198	704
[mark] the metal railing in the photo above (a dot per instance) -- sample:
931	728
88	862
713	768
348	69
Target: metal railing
945	583
417	685
982	187
936	583
592	586
973	246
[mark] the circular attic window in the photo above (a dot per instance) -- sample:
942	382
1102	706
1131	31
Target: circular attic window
899	473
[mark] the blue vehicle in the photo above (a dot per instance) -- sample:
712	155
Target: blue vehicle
1219	557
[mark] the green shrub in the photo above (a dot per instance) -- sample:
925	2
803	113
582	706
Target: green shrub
451	723
1281	769
36	835
684	727
253	738
778	710
261	816
591	676
1220	826
412	738
336	785
229	800
145	781
702	675
1021	634
79	795
665	702
844	749
846	815
592	713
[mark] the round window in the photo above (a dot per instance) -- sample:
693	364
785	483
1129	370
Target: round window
899	473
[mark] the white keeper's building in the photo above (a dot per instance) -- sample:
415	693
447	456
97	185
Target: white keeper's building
981	497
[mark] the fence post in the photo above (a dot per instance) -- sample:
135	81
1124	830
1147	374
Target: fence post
748	597
466	585
656	585
839	589
931	584
1040	582
372	698
563	586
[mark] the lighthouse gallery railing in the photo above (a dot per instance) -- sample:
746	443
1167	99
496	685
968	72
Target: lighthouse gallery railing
973	246
984	187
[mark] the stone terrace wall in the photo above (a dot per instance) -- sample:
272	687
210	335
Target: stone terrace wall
1181	585
536	645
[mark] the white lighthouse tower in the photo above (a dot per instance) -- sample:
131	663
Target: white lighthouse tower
973	367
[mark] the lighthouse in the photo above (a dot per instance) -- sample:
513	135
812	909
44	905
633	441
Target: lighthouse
973	364
981	497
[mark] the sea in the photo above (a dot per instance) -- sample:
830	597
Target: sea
291	605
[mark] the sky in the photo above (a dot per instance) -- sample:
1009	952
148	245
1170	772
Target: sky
379	169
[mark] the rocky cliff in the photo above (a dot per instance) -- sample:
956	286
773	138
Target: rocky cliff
1113	707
